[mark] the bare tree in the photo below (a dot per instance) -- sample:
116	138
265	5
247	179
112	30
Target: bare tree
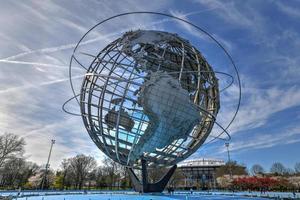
100	177
231	167
278	168
16	172
297	168
112	170
65	170
257	169
11	146
80	166
289	171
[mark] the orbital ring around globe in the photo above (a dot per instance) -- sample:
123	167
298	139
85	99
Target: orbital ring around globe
173	17
159	111
128	80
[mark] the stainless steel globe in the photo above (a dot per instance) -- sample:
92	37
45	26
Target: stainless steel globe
149	94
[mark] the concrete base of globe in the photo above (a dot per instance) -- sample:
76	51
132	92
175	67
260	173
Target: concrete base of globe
145	186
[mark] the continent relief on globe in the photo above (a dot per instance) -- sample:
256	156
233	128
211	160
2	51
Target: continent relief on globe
171	114
162	107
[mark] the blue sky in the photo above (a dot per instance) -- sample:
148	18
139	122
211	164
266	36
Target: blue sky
263	37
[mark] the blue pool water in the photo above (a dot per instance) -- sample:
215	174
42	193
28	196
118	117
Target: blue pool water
129	195
97	197
136	197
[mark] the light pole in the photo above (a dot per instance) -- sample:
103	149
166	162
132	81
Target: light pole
229	161
47	165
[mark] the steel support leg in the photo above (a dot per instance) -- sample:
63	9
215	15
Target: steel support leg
145	186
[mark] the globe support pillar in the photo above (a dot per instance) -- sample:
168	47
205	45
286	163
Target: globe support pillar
145	186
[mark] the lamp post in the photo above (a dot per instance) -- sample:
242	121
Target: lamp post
229	161
47	165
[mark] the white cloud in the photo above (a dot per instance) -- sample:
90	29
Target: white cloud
229	12
191	30
43	34
266	140
32	96
289	10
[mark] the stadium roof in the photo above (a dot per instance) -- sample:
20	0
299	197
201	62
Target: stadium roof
202	162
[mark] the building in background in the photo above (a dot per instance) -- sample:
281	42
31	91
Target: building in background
200	173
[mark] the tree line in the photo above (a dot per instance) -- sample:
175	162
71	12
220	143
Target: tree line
277	169
234	176
82	172
78	172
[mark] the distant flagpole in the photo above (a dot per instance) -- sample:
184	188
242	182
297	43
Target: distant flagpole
47	165
229	161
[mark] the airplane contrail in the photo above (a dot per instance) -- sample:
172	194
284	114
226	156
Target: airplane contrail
68	46
104	37
52	49
12	89
32	63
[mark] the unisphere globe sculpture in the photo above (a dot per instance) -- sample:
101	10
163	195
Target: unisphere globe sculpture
149	94
149	98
